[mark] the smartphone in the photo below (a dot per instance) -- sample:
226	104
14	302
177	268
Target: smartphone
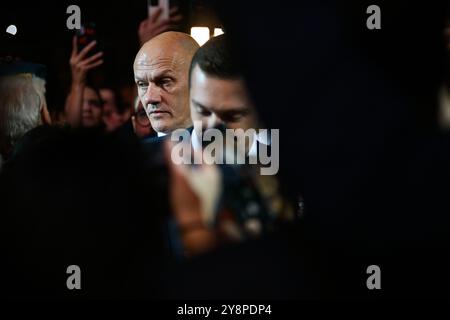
85	35
155	4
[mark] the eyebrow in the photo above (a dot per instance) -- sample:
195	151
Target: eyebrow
244	111
198	104
241	109
139	76
164	73
159	74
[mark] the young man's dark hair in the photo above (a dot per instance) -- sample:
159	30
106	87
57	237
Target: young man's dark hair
218	92
216	59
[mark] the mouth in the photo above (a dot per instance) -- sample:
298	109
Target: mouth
159	113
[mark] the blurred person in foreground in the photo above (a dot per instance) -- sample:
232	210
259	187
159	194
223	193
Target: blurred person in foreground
444	92
56	207
56	210
75	198
367	201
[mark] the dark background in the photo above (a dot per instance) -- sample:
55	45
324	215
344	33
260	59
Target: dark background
357	113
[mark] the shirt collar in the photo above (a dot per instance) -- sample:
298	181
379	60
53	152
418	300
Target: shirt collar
161	134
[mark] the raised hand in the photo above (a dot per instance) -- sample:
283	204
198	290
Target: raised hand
151	26
80	63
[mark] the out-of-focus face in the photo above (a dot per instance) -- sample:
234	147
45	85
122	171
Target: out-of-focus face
141	123
447	36
161	76
217	101
91	112
111	117
109	99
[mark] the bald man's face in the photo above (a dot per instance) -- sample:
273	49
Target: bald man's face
161	75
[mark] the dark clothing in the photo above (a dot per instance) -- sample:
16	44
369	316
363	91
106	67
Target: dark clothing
75	197
347	109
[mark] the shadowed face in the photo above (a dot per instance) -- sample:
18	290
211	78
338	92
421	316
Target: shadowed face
91	115
111	116
216	101
141	122
447	36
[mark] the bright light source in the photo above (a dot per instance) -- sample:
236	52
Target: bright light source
200	34
218	32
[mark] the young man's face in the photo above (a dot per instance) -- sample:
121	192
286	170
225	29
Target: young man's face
217	101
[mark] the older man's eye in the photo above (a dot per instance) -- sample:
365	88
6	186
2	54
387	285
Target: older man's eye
142	84
165	82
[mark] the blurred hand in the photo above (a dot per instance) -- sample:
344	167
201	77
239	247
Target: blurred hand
80	64
151	27
194	192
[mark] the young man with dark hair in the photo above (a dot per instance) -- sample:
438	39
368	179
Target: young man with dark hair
218	93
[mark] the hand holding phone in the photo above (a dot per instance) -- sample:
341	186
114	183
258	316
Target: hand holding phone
81	62
85	35
160	19
162	5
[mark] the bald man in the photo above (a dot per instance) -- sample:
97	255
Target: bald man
161	70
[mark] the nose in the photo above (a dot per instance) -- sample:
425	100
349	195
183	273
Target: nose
152	95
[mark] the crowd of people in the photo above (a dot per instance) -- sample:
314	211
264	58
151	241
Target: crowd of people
180	85
95	185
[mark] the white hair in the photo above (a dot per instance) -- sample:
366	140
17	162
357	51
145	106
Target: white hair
22	98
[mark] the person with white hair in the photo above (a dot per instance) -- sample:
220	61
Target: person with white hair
23	106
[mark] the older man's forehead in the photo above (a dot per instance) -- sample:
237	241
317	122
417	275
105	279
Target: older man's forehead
141	58
159	59
151	56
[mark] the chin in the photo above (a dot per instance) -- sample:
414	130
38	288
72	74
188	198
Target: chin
161	127
87	124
